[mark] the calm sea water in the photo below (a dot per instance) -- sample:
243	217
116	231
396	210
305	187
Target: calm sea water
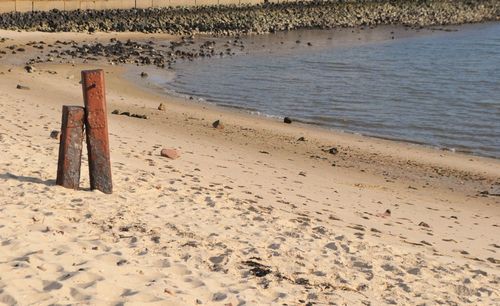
441	89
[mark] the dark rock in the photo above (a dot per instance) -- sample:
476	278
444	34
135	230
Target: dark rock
144	75
287	120
29	68
333	151
22	87
54	134
115	112
423	224
217	124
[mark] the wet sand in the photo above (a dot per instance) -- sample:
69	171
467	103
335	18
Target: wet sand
248	214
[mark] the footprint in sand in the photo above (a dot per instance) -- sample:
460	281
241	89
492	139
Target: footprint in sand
51	285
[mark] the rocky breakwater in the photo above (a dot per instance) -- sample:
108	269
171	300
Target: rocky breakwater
264	18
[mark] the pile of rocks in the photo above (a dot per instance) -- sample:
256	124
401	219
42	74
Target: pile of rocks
161	54
263	18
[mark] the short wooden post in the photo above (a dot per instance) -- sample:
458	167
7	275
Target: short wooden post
94	97
70	147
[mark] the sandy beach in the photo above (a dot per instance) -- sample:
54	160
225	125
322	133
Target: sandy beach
257	213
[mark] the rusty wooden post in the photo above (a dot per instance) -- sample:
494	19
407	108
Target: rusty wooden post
94	97
70	147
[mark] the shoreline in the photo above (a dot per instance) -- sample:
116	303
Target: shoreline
381	35
249	214
235	115
200	102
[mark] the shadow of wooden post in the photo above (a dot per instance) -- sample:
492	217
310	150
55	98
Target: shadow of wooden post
94	97
70	147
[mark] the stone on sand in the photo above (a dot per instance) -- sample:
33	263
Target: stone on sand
217	124
333	151
54	134
29	69
19	86
170	153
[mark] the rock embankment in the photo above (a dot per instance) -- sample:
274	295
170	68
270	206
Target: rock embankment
264	18
160	54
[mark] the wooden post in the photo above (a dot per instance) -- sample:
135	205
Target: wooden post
94	97
70	147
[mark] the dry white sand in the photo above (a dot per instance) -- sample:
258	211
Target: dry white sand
247	215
